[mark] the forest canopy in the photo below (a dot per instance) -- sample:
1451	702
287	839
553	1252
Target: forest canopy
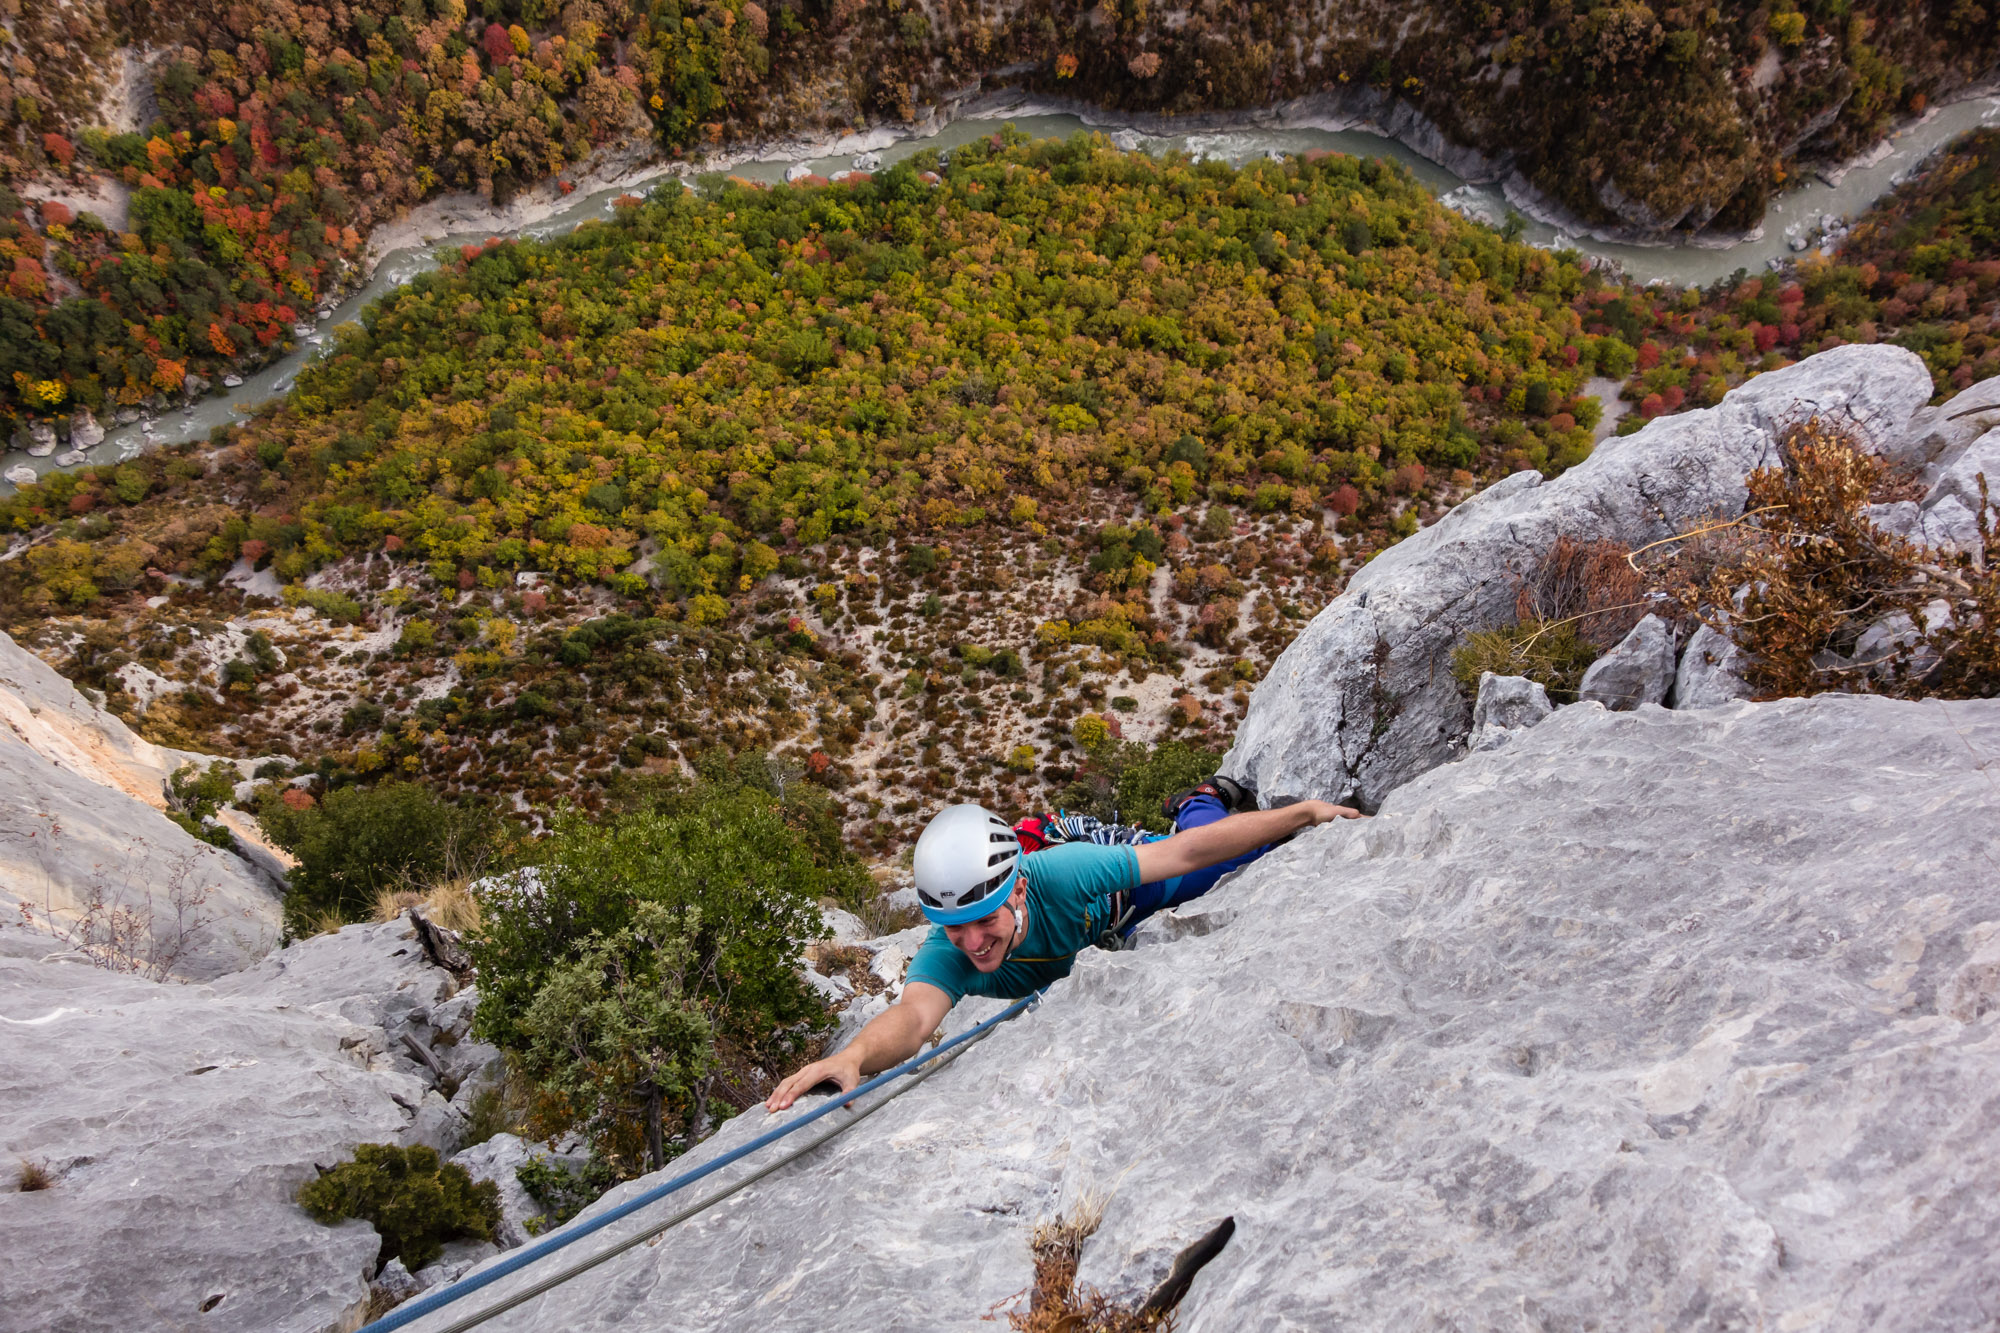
707	377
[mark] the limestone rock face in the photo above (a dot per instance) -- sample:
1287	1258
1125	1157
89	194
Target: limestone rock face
90	792
1645	1020
179	1127
1952	446
1710	671
180	1121
496	1160
1640	670
1364	699
1506	705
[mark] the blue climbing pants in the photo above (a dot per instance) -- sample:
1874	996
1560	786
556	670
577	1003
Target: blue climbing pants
1165	893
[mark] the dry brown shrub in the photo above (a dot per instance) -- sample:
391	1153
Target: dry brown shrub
1055	1303
1814	574
1591	585
848	960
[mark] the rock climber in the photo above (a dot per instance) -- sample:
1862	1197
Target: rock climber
1007	922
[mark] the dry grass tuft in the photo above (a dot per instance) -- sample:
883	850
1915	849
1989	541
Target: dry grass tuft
1055	1304
328	922
35	1176
450	904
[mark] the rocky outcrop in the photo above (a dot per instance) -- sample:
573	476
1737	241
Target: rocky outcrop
1710	671
1638	670
1364	699
1650	1019
1950	447
179	1121
1505	706
81	809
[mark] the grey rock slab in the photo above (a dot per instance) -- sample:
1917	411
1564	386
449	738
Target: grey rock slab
180	1126
1710	672
373	975
1935	433
1639	670
41	439
1674	1020
437	1126
82	794
497	1160
1504	706
1364	700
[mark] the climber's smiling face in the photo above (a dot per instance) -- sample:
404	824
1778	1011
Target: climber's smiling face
989	940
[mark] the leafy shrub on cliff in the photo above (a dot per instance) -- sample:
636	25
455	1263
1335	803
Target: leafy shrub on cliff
357	842
638	944
415	1202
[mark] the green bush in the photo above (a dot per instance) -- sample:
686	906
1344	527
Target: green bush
193	796
413	1200
337	607
359	841
646	938
561	1192
1127	781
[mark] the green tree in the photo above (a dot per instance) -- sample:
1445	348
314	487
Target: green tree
639	943
359	841
620	1032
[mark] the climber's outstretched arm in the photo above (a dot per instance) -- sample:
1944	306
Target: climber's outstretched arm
891	1037
1198	848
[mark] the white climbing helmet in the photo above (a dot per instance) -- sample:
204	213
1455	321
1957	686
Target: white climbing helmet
966	860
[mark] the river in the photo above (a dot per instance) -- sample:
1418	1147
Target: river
1793	218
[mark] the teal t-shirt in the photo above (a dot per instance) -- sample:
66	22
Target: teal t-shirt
1067	886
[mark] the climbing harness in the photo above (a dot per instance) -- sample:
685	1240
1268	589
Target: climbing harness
414	1310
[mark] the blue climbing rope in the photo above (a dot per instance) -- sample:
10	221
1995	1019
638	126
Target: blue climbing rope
414	1310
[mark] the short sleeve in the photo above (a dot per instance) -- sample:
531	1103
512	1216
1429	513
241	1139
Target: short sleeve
940	963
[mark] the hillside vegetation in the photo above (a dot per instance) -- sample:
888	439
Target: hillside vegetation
232	186
805	453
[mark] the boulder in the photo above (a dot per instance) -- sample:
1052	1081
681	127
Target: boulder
1951	509
1644	1020
497	1160
84	430
1364	700
20	475
1710	671
1640	670
1950	446
1506	706
1938	433
41	439
391	1287
1882	641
